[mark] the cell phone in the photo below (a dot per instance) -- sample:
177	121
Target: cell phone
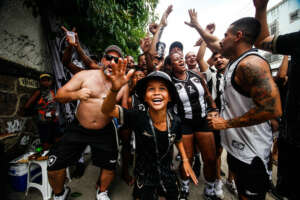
71	34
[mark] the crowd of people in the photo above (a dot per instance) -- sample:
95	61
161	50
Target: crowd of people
230	101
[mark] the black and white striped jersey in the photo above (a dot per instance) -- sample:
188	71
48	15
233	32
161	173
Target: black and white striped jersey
192	96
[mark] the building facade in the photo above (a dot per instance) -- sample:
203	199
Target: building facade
282	18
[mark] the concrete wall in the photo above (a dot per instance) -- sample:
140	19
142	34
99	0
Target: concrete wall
22	40
24	55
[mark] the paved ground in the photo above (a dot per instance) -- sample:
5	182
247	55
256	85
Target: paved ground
118	190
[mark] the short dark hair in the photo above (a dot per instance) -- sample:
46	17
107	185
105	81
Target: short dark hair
249	26
167	60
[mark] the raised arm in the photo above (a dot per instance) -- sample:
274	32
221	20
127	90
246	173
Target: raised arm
73	42
212	41
158	29
200	55
264	40
118	79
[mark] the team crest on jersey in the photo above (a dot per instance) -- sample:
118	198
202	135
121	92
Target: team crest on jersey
141	107
238	145
178	86
195	79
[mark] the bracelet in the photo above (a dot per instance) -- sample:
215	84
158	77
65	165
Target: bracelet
115	91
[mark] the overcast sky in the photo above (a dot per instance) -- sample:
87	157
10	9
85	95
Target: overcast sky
221	12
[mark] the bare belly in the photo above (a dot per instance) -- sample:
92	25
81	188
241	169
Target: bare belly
90	116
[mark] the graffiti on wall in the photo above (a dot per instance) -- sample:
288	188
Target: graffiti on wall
16	125
30	83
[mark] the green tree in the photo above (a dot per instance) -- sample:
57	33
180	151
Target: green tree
100	23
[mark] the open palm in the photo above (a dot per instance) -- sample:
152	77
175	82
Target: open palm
118	76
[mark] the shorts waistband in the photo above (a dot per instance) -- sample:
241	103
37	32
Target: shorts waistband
92	132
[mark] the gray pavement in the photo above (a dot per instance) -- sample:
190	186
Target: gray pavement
119	189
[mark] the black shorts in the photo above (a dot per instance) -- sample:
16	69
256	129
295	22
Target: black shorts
152	192
69	149
48	132
252	180
190	126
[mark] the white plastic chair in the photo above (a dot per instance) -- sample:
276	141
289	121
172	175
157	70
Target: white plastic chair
45	187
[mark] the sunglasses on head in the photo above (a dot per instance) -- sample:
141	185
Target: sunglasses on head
110	57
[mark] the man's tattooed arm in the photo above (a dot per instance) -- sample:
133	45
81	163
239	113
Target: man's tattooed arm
253	76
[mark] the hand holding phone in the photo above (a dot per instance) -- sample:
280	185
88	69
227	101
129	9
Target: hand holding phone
71	35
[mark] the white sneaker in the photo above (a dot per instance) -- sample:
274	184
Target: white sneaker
231	186
102	195
218	189
64	196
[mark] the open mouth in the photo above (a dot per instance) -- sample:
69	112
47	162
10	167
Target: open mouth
157	100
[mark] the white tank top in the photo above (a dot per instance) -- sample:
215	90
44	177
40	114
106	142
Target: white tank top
247	142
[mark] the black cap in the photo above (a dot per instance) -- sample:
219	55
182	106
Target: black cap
157	75
114	48
176	44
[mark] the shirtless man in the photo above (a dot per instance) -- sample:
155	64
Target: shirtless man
90	127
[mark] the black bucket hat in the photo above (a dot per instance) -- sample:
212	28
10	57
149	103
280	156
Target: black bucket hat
157	75
176	44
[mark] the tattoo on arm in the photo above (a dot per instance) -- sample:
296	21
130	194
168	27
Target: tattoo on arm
258	81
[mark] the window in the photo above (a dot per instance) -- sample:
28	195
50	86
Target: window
295	15
274	28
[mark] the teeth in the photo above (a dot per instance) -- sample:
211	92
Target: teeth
156	100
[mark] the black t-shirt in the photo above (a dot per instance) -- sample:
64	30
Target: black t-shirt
288	44
146	158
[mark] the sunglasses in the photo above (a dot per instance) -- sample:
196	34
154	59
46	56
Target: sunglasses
110	57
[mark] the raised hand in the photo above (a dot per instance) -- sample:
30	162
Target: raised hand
164	18
211	28
118	77
260	4
84	94
199	42
71	36
153	28
145	44
193	17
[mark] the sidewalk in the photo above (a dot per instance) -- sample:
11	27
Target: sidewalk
119	190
